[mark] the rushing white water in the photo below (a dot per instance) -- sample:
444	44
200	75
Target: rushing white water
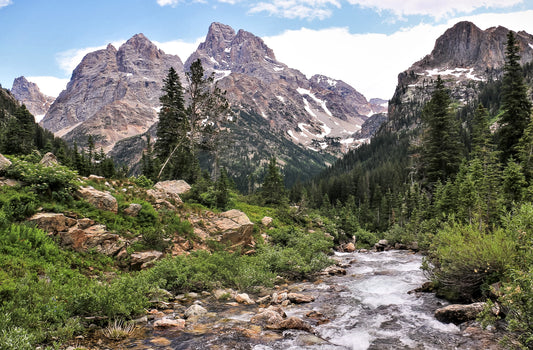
373	309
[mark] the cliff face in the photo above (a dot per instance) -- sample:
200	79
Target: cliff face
463	56
28	93
113	94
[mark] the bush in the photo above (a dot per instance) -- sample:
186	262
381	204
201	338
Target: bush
58	180
17	204
365	238
464	261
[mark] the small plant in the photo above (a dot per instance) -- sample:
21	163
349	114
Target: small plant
118	330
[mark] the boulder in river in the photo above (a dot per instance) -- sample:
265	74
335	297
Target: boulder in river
458	314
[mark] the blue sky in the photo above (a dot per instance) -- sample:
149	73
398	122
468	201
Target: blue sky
363	42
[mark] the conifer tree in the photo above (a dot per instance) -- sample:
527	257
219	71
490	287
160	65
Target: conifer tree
515	103
20	133
441	153
273	189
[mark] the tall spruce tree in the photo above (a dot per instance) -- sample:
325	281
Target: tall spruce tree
441	151
515	103
172	147
273	189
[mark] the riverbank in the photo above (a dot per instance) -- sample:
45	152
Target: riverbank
368	308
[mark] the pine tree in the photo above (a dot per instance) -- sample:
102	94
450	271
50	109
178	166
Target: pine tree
273	189
515	103
172	148
20	133
441	152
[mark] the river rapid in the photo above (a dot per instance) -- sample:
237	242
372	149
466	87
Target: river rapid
368	308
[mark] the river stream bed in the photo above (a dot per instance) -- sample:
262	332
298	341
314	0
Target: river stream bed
368	308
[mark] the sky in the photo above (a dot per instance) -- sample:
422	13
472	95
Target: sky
365	43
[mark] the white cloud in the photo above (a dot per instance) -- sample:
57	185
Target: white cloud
371	62
179	47
168	2
4	3
434	8
301	9
50	86
68	60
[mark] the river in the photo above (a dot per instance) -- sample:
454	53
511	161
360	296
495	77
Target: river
368	308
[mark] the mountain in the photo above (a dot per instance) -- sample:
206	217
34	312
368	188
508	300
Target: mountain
112	94
304	109
28	93
464	56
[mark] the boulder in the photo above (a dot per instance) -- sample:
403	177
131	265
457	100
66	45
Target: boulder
101	200
297	298
195	310
133	210
381	245
9	182
277	309
173	186
234	228
96	177
4	163
333	270
49	159
267	318
457	313
244	299
294	322
162	198
350	247
170	323
95	238
142	260
266	221
52	222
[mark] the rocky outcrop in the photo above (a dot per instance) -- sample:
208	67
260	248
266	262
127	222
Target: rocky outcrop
101	200
233	227
113	94
457	313
177	187
133	210
28	93
4	163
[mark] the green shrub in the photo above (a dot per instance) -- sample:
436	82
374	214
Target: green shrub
464	261
518	299
17	203
16	338
58	180
142	181
365	238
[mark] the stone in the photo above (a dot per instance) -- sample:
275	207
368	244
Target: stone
170	323
350	247
101	200
298	298
96	177
294	322
143	260
162	198
244	299
160	341
195	310
4	163
133	210
49	159
333	270
267	318
277	309
233	227
457	313
52	222
95	238
381	245
413	246
266	221
173	186
317	316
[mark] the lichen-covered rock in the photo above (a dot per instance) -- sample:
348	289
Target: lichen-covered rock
101	200
266	221
95	238
234	228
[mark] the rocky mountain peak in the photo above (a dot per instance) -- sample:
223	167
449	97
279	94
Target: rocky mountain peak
29	94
